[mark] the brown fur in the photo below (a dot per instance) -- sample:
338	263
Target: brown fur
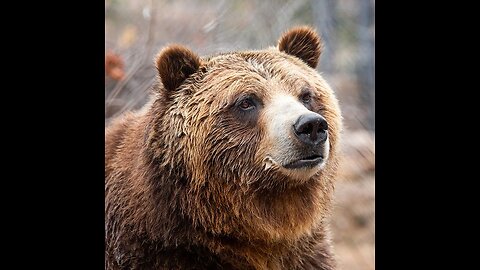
185	187
174	64
302	42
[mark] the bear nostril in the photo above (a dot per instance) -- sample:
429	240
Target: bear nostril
306	128
311	128
323	127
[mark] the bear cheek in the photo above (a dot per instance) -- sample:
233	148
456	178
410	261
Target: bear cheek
221	142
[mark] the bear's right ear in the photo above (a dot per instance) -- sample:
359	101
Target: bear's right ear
174	64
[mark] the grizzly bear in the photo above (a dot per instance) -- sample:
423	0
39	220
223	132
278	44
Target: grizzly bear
231	164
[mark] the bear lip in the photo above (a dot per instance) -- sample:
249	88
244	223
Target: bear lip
307	162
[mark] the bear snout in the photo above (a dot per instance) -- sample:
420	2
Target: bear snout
311	129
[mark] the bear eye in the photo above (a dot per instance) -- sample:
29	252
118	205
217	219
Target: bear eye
306	97
246	104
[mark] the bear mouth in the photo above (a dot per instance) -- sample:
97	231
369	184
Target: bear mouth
306	162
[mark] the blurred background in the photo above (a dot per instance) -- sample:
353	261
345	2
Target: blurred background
135	30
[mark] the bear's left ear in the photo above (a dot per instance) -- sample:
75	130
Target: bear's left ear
302	42
174	64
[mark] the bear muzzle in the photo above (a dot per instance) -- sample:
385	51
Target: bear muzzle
311	131
298	138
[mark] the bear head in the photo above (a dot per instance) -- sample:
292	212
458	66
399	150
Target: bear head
250	138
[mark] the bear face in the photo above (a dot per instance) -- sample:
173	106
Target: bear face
243	123
245	105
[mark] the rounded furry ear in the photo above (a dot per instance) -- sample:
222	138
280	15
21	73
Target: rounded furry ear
302	42
174	64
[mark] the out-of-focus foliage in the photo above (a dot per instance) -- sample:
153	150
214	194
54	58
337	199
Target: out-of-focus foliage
137	29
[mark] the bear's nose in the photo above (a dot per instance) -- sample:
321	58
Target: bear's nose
311	129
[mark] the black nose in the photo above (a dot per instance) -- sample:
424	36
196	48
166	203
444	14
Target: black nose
311	129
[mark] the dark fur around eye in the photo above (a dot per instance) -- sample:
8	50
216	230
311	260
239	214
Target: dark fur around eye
246	104
246	108
307	98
